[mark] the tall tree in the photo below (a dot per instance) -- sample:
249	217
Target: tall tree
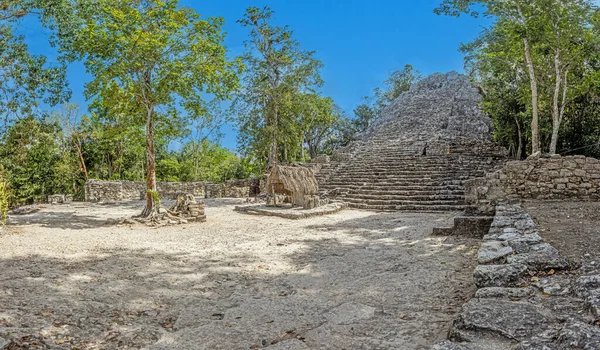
277	71
555	37
154	62
26	80
568	35
521	15
317	120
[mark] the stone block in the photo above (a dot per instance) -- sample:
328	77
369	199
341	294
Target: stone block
541	257
591	161
498	275
491	251
509	319
56	199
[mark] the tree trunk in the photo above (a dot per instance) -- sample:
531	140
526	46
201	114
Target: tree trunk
81	159
150	209
274	157
535	123
520	142
555	107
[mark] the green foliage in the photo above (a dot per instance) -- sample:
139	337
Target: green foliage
155	197
203	161
279	110
36	163
26	80
153	63
3	199
561	39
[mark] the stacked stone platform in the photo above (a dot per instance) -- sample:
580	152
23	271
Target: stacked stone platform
392	177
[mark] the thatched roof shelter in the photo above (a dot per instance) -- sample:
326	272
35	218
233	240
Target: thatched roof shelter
292	180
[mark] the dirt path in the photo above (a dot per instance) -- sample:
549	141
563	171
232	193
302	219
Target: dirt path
571	227
353	280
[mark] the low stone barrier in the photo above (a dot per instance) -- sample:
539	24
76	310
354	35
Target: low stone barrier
115	191
572	177
526	300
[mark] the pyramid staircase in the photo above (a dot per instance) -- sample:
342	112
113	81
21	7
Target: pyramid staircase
394	175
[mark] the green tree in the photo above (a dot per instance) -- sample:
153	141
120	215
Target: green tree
152	62
36	163
551	40
317	120
26	80
4	203
364	115
278	72
520	19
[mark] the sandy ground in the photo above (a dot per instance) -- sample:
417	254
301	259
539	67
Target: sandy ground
352	280
573	228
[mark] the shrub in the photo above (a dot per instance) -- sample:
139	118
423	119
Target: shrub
3	200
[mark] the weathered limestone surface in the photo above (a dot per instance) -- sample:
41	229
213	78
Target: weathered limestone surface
446	104
571	177
498	275
525	300
511	319
418	156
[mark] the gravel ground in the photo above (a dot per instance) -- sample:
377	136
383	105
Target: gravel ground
352	280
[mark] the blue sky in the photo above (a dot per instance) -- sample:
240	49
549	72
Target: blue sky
359	42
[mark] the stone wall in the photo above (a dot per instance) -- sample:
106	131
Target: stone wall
571	177
114	191
523	300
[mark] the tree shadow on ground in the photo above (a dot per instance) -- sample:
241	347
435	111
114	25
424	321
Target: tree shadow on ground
374	286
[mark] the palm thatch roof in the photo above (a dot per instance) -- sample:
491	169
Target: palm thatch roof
295	179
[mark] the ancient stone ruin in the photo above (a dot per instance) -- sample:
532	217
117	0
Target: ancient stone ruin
187	208
295	185
116	191
523	300
417	157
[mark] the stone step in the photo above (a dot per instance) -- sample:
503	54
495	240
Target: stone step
413	208
393	176
351	200
385	182
391	198
393	187
420	192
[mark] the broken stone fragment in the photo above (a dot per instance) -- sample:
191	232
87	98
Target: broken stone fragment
349	313
540	257
554	285
578	335
522	243
509	319
491	251
588	288
585	286
507	293
543	341
498	275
